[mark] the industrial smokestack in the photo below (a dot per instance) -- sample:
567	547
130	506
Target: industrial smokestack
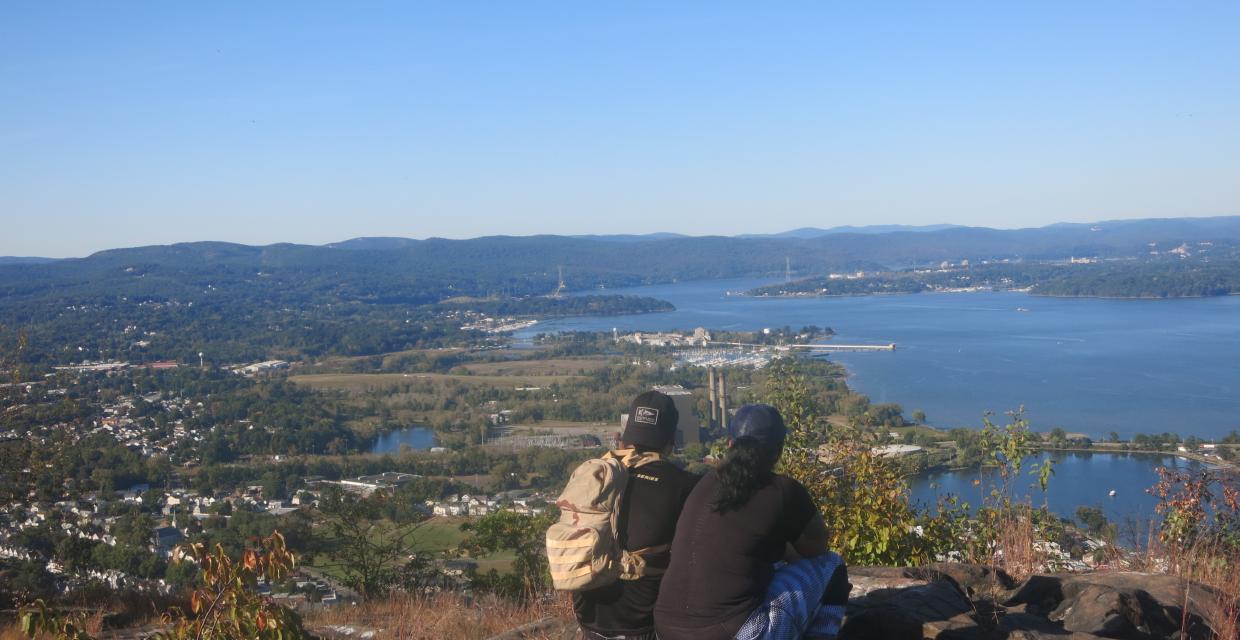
710	375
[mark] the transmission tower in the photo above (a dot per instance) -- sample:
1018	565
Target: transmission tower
559	288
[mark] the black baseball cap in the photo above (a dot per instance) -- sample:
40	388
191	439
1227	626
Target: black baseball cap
761	422
652	421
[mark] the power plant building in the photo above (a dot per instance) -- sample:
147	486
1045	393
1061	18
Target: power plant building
688	429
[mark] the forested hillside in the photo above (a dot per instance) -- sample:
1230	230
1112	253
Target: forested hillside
374	295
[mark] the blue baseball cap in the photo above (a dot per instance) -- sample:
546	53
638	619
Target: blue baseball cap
761	422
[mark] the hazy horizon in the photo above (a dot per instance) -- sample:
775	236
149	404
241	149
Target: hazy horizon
127	125
584	235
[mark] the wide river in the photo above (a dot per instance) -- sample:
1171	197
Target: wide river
1087	365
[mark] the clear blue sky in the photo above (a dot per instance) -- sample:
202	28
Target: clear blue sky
134	123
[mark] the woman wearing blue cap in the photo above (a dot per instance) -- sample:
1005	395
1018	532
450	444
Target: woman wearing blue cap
725	579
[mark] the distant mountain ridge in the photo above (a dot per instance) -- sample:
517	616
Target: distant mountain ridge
662	235
381	243
1225	225
816	232
403	270
25	260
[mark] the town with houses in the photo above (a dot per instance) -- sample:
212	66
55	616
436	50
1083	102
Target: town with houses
143	525
172	515
155	521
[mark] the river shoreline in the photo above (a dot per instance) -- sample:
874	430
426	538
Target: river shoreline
1025	290
1076	363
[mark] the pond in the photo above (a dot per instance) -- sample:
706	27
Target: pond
415	437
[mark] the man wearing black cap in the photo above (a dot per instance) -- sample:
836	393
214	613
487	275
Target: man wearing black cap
655	494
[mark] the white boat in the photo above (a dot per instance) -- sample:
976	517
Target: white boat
1112	493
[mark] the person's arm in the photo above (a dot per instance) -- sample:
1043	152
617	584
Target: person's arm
813	539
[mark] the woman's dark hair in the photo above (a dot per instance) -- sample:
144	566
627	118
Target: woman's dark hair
747	467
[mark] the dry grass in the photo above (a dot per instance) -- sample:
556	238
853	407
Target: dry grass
12	632
443	615
403	617
93	623
1217	567
1022	555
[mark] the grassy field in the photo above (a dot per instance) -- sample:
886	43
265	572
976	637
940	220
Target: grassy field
437	535
548	367
329	363
440	534
444	534
456	403
359	383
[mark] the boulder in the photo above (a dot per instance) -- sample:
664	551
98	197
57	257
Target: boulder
1038	594
866	580
966	602
928	610
1018	625
974	602
975	580
1108	612
1135	605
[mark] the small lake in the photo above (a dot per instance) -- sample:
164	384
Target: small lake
1087	365
1080	479
415	437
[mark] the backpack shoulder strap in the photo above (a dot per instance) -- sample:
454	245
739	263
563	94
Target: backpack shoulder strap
631	459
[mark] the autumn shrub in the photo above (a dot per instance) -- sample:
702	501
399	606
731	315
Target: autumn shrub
228	606
862	496
1197	507
1199	538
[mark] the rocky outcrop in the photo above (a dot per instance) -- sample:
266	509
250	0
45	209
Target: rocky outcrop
953	601
957	601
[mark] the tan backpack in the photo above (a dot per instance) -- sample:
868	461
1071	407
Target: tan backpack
583	548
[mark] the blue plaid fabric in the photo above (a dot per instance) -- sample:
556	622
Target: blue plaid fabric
794	603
